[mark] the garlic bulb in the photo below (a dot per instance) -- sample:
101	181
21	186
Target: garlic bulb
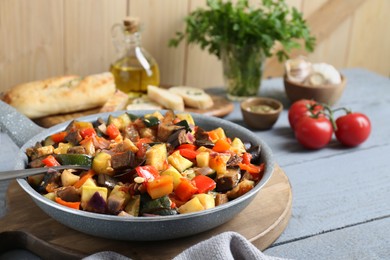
298	69
328	72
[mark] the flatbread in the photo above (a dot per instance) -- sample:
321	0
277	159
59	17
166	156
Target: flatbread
61	95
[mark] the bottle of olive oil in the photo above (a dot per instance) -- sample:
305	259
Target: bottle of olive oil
136	68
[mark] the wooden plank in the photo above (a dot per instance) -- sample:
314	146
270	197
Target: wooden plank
161	20
363	241
88	45
370	37
31	40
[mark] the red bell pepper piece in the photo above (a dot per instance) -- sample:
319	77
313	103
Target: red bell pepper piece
246	158
185	189
112	131
189	154
148	172
254	170
142	147
50	161
87	132
204	183
58	137
187	146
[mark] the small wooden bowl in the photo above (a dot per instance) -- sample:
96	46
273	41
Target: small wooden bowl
328	94
260	119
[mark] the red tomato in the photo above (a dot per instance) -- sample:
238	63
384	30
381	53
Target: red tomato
313	133
352	129
300	108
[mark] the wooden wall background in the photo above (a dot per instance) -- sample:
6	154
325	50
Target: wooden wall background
45	38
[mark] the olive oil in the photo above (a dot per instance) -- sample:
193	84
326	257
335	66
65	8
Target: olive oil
134	78
135	68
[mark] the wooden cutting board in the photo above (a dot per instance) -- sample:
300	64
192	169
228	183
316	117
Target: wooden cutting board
221	108
261	222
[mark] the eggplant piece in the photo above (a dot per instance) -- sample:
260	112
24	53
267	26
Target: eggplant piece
179	137
123	160
228	180
106	181
51	181
202	138
234	160
160	206
255	151
221	198
242	188
74	159
164	131
70	194
131	133
36	163
73	137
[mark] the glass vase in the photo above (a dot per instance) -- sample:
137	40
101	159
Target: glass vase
242	70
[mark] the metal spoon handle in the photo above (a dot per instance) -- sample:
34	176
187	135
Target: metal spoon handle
13	174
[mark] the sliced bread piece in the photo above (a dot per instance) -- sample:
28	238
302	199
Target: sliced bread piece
193	97
166	98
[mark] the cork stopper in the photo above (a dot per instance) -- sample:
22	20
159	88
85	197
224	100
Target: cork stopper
131	24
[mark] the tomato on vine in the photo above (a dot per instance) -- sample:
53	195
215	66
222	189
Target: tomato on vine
303	108
313	132
352	129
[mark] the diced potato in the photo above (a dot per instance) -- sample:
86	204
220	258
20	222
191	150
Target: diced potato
89	147
88	191
132	207
129	145
68	178
50	196
192	205
202	159
89	182
101	164
83	125
237	146
45	150
62	148
218	163
203	149
207	200
117	199
179	162
157	156
124	121
175	175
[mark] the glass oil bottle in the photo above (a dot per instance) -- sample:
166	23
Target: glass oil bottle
136	68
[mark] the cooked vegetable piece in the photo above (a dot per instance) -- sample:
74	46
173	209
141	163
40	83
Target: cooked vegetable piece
221	198
160	206
179	162
117	200
157	156
203	183
107	181
73	205
242	188
192	205
133	206
202	159
101	164
70	194
151	121
185	189
50	161
160	186
218	162
176	176
123	160
87	192
228	180
68	178
207	200
74	159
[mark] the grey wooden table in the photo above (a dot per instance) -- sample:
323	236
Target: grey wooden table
341	196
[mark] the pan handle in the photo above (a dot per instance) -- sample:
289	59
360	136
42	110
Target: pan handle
16	125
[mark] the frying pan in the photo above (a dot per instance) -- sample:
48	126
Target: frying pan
25	134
